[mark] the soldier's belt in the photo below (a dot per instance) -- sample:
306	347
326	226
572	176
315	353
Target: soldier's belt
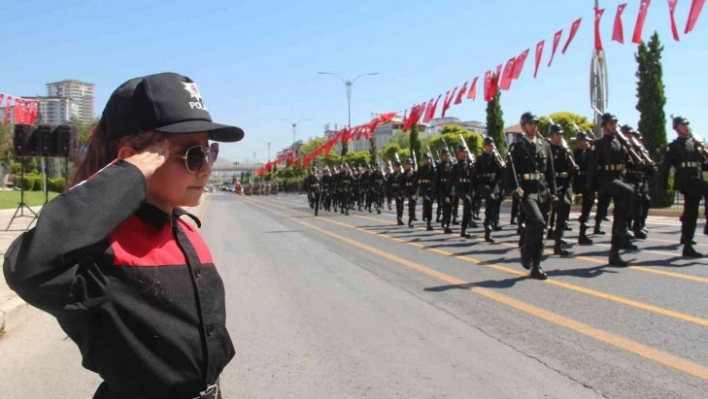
614	167
409	184
346	182
690	164
314	185
532	176
581	173
443	180
636	172
425	181
463	180
488	175
562	174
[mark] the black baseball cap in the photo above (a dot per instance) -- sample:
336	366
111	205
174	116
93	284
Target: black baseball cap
165	102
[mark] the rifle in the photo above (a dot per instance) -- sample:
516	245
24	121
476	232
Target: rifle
415	161
470	155
589	132
571	158
446	146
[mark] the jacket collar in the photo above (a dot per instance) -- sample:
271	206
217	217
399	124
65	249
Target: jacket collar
158	218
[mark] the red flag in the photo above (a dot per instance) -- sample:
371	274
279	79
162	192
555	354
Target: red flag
487	84
507	75
696	7
598	38
405	120
2	96
617	30
422	111
672	9
35	112
556	40
387	117
643	8
494	83
461	93
472	94
539	53
19	111
7	110
369	129
573	30
448	100
519	64
430	114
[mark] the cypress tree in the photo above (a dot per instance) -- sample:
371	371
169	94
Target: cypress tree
372	148
650	104
415	143
495	123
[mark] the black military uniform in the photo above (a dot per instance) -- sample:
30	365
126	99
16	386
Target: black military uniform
515	211
688	157
443	188
378	183
606	168
327	183
581	187
564	168
395	180
637	178
426	183
409	188
461	186
345	182
487	176
528	177
312	186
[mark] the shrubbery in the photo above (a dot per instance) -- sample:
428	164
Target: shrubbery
33	182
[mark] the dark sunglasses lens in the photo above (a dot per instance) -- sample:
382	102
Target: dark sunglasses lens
195	159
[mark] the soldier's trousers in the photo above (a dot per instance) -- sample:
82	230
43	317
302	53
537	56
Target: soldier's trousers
640	210
446	204
622	194
588	202
491	212
455	206
531	241
411	208
603	203
399	208
466	212
514	209
316	201
562	210
692	200
428	209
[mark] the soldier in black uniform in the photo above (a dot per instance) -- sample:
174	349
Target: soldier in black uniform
637	178
312	186
606	168
327	184
378	183
580	186
426	182
345	182
688	158
529	174
487	176
515	201
409	189
442	188
396	189
461	185
565	168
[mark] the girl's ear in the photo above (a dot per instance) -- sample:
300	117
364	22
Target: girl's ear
126	151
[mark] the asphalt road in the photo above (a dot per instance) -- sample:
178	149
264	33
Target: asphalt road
355	306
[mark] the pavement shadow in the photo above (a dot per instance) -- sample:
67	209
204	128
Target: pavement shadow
663	247
494	251
591	272
494	284
670	262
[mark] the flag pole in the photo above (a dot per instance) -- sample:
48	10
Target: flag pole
599	84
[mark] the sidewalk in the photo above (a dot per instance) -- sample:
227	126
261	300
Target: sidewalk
13	310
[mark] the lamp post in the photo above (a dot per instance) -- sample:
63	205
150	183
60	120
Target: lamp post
348	84
268	143
294	125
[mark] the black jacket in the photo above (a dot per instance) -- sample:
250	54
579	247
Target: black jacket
135	288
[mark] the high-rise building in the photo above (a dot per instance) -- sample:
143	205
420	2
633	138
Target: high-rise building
80	95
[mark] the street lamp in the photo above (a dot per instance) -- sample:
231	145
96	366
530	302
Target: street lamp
269	143
294	125
348	84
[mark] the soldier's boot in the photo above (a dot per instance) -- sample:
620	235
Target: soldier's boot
567	227
488	235
536	271
598	230
640	234
690	252
400	222
512	221
410	222
446	230
583	239
472	224
615	259
559	250
463	231
549	235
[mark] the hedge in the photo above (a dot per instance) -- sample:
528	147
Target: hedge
33	182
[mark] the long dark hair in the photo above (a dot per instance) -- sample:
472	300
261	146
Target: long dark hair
102	151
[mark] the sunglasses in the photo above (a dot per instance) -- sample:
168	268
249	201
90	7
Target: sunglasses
194	157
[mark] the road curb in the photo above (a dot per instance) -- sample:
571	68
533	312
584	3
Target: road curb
13	313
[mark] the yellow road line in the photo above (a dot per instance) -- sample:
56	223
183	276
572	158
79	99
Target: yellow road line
506	269
644	351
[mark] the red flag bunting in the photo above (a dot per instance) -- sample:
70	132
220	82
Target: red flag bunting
448	100
2	96
387	117
641	17
8	104
519	64
539	53
430	114
405	121
696	7
472	94
573	30
507	75
672	9
618	30
461	93
556	40
598	38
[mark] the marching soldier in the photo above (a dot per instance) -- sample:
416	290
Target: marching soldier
688	158
636	177
443	188
409	189
606	168
564	167
312	186
345	183
487	176
461	183
580	186
378	183
396	189
515	201
528	177
426	181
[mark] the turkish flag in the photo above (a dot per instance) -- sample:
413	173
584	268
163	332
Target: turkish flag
573	30
386	117
519	64
19	111
8	104
556	40
507	75
696	7
598	38
617	30
472	94
461	93
448	100
641	17
430	112
405	121
539	53
672	9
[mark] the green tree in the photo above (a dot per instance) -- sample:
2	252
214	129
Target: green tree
568	121
450	134
389	151
495	123
401	138
311	145
331	160
358	158
415	142
650	104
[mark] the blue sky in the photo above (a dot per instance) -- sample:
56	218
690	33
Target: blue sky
257	61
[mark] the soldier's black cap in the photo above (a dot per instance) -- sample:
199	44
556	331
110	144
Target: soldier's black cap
556	128
607	117
409	161
444	151
396	163
460	148
527	117
488	140
680	120
581	136
426	155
